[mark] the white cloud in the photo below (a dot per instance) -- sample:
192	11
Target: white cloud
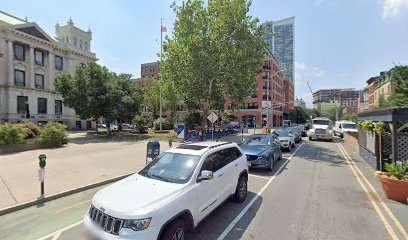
392	8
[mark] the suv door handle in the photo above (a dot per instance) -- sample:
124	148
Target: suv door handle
236	164
220	175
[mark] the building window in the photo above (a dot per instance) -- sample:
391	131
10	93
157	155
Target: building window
86	46
42	105
83	65
22	102
39	81
58	63
58	107
19	78
80	43
39	57
75	41
19	52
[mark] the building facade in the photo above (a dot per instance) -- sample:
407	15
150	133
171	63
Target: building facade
267	104
30	59
150	70
345	97
379	87
281	41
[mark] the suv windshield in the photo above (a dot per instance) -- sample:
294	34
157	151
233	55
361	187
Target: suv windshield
349	125
282	133
258	140
321	122
171	167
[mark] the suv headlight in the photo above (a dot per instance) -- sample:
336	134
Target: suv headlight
137	224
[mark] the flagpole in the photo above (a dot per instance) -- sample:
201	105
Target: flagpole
161	52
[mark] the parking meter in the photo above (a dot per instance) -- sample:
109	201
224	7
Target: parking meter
153	150
41	172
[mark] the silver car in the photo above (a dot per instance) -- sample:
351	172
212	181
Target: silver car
286	138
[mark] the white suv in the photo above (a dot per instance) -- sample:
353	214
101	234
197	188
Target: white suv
171	195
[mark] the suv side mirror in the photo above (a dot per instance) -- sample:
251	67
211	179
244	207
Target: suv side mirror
205	175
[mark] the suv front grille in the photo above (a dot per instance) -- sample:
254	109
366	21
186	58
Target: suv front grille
251	157
107	223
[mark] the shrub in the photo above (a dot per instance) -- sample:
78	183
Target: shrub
30	128
139	123
54	133
11	134
166	124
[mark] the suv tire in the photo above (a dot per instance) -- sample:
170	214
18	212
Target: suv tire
241	190
271	163
175	230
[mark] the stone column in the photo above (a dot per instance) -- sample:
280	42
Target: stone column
30	73
49	81
10	67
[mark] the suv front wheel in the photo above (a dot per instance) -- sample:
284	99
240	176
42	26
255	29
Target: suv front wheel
241	190
175	231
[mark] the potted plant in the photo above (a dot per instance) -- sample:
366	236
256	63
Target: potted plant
395	181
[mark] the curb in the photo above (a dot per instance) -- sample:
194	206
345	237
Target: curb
51	197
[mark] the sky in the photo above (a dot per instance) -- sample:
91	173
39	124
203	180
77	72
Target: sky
338	43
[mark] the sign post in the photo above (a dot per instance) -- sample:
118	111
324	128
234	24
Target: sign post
213	118
41	172
181	131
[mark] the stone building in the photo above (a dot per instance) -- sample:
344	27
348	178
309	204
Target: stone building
30	59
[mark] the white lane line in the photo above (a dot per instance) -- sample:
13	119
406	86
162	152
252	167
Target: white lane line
58	232
252	175
56	236
242	213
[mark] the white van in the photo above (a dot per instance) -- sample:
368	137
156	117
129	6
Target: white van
341	127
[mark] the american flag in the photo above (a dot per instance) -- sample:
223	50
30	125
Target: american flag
163	28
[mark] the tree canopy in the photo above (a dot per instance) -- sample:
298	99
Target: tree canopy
399	78
215	51
95	92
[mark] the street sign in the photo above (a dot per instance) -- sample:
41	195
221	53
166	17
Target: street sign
180	131
212	117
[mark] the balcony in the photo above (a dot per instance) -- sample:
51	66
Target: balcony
265	77
266	67
266	88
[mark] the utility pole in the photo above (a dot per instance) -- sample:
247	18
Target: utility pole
161	53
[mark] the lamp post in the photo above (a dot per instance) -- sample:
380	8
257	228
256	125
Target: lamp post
269	101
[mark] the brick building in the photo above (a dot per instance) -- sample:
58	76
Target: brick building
345	97
379	87
150	70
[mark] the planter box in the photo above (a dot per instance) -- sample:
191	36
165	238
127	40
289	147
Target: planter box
395	189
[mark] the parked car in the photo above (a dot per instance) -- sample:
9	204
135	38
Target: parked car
302	130
341	127
127	126
262	150
297	133
286	139
233	125
171	195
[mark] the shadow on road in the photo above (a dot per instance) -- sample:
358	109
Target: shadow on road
318	151
215	223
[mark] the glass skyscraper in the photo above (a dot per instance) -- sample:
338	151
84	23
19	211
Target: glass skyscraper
281	41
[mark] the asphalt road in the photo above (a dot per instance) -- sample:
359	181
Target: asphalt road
311	194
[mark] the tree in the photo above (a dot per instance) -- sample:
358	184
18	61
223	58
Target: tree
330	112
299	115
139	122
95	92
215	51
152	96
399	78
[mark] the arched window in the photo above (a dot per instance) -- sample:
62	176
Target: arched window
86	46
75	41
80	43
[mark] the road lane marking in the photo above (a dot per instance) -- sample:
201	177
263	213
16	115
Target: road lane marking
61	230
383	204
252	175
385	222
56	236
72	206
242	213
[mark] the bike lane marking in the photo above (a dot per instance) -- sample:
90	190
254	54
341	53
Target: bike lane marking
58	232
242	213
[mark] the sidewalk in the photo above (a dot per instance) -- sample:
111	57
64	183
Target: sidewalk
69	167
398	209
